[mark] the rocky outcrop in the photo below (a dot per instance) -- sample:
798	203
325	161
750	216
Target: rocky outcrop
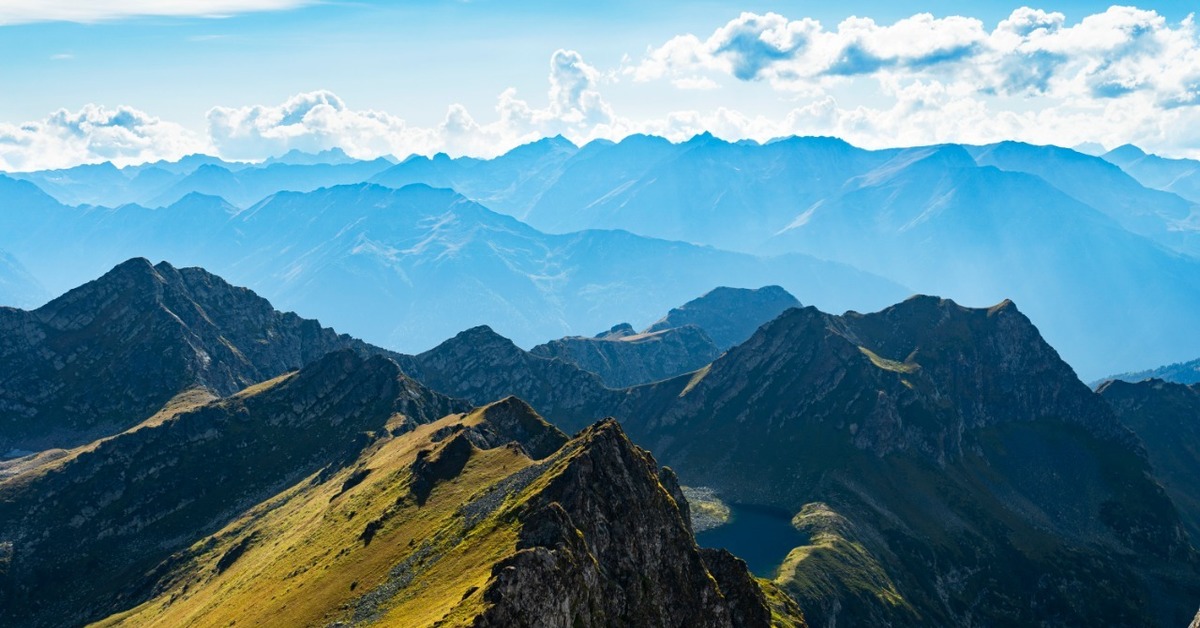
729	315
110	353
623	358
604	544
85	530
481	366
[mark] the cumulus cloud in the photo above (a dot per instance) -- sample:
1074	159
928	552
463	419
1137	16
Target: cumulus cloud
86	11
320	120
122	135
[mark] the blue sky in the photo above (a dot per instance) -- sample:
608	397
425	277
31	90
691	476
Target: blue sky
416	60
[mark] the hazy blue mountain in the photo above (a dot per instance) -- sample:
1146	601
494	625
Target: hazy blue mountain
1181	176
249	185
408	268
162	183
729	315
730	195
933	220
509	184
18	288
1161	216
297	157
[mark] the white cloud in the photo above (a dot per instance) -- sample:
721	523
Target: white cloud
122	135
29	11
1124	75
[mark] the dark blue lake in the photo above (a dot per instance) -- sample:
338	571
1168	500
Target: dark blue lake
760	535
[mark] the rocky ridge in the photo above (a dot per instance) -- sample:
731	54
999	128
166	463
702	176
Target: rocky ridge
109	354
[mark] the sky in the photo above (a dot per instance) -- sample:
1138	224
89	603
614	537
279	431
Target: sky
131	81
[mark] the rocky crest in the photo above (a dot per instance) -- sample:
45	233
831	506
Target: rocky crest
729	315
604	544
623	358
110	353
480	365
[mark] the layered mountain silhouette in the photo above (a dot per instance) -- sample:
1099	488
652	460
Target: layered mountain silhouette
1063	232
111	353
1181	176
729	315
162	183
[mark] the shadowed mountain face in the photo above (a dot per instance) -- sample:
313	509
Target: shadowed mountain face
479	364
687	338
112	352
1166	416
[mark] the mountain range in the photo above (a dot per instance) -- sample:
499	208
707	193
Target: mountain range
938	465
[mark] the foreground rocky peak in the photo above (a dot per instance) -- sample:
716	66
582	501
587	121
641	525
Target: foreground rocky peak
110	353
605	543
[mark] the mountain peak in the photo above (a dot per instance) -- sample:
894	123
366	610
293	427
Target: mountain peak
1125	152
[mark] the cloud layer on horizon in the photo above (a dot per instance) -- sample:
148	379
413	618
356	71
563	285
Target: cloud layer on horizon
1124	75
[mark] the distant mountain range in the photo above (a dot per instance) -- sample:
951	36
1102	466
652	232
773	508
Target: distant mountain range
1100	251
407	268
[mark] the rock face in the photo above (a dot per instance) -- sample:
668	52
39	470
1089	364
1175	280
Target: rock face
604	545
932	453
729	315
110	353
479	365
85	529
1166	416
622	357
